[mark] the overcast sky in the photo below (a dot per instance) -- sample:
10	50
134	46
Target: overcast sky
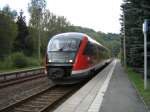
100	15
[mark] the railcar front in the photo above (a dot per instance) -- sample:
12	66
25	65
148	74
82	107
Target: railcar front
61	56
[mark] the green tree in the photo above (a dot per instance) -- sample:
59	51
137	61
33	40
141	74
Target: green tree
36	9
135	11
21	43
8	32
55	24
7	11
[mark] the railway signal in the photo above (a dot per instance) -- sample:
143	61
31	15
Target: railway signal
146	26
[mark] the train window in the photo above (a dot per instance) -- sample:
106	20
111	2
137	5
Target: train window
87	49
64	45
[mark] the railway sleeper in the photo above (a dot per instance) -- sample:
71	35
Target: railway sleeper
47	98
30	107
38	103
23	110
33	106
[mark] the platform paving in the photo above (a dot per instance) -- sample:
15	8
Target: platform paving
109	91
121	96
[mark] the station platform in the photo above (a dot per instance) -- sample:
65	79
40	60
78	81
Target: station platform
109	91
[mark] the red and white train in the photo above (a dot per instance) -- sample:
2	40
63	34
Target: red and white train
72	57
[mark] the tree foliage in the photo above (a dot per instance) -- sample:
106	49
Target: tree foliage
21	43
8	32
135	11
36	9
11	13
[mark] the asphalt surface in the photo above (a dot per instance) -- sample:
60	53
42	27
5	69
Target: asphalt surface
121	96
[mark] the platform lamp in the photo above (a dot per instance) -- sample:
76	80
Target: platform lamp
146	26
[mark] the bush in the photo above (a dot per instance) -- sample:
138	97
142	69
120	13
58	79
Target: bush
19	60
6	63
33	61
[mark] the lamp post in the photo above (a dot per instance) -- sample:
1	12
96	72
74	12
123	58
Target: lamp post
145	31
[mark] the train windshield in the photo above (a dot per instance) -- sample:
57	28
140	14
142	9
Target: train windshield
62	44
63	50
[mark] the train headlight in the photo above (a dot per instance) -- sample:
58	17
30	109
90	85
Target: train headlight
70	61
50	61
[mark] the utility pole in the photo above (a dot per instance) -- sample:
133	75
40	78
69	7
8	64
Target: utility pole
39	36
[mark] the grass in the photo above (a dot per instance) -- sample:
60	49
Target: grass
139	83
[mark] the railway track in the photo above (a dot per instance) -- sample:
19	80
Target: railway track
11	78
42	101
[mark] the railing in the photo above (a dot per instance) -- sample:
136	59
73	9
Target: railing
20	74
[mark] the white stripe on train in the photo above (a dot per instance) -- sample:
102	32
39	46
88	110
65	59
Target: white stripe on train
95	67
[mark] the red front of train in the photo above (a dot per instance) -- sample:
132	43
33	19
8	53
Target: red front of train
72	57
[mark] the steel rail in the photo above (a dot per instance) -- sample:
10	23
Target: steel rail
42	101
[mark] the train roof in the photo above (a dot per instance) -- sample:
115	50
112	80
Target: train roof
77	35
69	34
